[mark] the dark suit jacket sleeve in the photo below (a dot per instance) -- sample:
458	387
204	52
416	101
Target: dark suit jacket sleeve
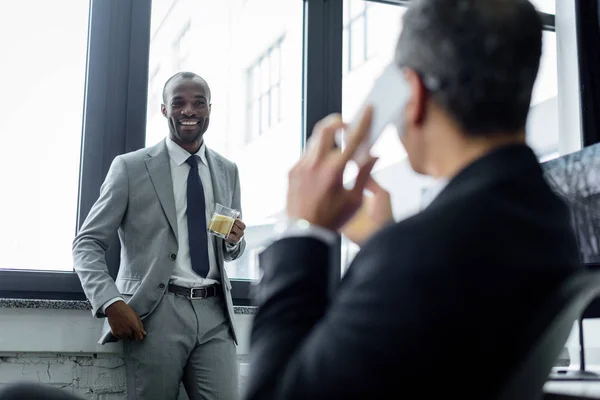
303	348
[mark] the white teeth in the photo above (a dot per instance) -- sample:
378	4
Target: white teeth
189	123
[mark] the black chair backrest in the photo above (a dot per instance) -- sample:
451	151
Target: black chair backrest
547	335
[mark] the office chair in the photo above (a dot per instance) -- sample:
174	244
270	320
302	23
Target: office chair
547	335
592	311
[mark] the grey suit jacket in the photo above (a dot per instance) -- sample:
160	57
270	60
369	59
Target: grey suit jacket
136	202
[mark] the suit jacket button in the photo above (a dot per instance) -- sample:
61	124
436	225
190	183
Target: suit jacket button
173	256
161	286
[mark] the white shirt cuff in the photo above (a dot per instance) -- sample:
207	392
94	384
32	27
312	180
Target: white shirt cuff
109	303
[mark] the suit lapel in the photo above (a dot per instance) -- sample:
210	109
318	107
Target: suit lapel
159	169
218	178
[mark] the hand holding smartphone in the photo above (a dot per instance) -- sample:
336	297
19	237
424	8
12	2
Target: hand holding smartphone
388	97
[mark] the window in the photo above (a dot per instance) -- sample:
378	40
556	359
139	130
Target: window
43	81
410	192
545	6
543	120
182	47
246	74
212	38
155	91
264	91
355	34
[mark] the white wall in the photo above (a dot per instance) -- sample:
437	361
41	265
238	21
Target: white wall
59	347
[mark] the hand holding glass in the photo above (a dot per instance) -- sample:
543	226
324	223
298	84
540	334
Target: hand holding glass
222	221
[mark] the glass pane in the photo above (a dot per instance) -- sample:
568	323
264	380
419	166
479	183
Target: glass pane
357	7
224	61
255	85
346	51
256	119
275	106
392	170
264	113
265	77
275	59
542	123
185	42
357	43
547	6
44	52
411	192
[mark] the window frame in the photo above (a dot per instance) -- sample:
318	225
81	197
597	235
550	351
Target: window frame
119	31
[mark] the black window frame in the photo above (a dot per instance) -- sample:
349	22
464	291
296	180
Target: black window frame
115	115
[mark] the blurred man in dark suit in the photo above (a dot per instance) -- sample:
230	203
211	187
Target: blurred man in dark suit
436	303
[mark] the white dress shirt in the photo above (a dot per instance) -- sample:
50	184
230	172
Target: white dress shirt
183	275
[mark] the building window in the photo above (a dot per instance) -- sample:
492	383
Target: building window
155	90
246	74
40	191
264	91
355	34
182	48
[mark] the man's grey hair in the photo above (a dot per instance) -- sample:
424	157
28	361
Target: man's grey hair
478	58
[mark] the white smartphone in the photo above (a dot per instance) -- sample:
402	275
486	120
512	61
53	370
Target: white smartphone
388	97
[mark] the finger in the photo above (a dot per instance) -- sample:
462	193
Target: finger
141	327
325	136
360	134
364	173
374	187
233	237
235	231
139	336
240	224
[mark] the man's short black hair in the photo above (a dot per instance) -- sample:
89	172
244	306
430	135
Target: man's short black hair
478	58
184	75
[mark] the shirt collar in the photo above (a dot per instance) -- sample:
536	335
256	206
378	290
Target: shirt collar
179	155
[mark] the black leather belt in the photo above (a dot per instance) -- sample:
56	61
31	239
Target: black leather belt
196	293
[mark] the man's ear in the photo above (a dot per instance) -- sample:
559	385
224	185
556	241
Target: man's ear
163	110
417	103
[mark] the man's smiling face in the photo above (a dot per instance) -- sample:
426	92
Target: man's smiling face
187	109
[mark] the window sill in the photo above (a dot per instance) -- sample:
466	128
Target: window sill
81	305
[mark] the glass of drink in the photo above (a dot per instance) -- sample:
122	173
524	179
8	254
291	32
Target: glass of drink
222	221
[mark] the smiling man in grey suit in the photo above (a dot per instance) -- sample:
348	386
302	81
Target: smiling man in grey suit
171	302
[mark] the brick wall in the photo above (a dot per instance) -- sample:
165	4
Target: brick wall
90	377
99	377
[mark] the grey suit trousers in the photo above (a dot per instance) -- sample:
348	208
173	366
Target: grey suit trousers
189	342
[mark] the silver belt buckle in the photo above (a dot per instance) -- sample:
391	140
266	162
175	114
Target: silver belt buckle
192	297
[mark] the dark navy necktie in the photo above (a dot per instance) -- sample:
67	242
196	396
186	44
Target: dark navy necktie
196	220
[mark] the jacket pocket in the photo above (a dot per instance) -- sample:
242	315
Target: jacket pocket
128	286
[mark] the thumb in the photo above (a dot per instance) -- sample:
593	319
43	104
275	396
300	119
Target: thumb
141	327
364	174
